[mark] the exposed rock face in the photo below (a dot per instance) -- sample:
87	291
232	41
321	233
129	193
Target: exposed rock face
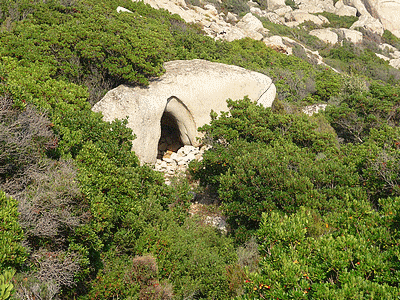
215	25
172	163
317	6
382	56
325	35
275	42
387	11
275	4
353	36
369	23
344	10
253	26
393	52
300	16
184	96
395	63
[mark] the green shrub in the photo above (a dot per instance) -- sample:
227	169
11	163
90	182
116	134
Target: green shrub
351	253
391	39
129	278
354	60
299	34
101	53
261	161
292	4
238	7
6	287
360	111
336	21
12	253
328	84
194	257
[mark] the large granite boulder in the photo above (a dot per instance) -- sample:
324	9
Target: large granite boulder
185	95
344	10
353	36
301	16
386	11
325	35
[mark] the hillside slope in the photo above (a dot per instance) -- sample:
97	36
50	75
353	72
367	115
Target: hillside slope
312	203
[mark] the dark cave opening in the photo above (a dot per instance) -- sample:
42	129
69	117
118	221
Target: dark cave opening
170	139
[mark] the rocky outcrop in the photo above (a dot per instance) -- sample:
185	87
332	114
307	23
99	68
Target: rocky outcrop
275	4
395	63
369	23
325	35
317	6
276	42
353	36
182	98
300	16
392	55
214	24
171	163
393	52
344	10
387	11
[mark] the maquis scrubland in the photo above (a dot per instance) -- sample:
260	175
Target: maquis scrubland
312	202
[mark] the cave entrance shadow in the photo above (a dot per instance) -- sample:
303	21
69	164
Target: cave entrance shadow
177	127
170	139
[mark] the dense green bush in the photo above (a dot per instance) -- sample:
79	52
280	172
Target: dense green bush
336	21
359	111
12	254
354	60
263	161
391	39
100	52
6	287
347	254
238	7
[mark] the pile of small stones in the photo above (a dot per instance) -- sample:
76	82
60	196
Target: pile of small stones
173	162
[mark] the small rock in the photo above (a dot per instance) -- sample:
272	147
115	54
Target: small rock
175	156
395	63
231	17
190	157
211	8
382	56
283	10
122	9
182	163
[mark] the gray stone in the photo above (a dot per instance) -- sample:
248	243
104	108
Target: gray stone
250	24
275	4
123	9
